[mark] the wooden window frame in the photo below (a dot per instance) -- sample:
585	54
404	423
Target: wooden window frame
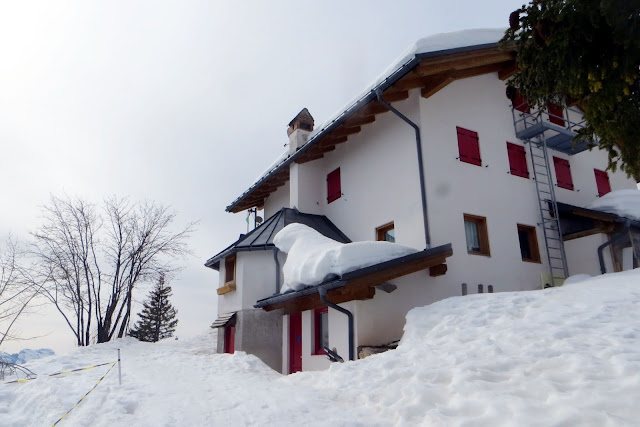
335	178
229	275
532	237
381	231
317	325
483	234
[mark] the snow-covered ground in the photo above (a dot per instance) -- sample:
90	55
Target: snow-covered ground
565	356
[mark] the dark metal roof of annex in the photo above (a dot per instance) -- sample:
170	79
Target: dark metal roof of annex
261	238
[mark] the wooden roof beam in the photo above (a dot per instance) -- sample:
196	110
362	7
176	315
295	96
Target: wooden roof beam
345	131
358	120
435	83
430	67
509	70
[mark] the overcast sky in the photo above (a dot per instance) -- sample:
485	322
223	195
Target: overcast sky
185	103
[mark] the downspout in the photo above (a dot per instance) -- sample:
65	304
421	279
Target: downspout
323	293
275	258
613	240
420	166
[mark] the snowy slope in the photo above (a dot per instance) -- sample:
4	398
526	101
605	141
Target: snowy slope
561	356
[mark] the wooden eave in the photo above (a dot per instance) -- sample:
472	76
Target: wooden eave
431	73
359	285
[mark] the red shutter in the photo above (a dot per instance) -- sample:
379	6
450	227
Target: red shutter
563	173
469	146
517	160
334	190
602	182
521	104
556	115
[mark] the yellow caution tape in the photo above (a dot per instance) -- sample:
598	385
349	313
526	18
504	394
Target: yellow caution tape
86	368
87	393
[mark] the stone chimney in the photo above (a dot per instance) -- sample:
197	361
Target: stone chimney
299	129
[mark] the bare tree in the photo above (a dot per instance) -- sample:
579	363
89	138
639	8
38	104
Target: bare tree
90	259
16	293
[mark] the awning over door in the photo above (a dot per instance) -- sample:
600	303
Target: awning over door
223	320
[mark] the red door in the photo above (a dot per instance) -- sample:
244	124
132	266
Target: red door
295	343
229	338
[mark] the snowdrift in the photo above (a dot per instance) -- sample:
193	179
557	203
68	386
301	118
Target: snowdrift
560	356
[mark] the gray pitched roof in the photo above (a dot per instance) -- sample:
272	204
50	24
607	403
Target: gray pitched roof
261	238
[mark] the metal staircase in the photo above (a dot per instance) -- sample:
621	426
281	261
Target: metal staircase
541	130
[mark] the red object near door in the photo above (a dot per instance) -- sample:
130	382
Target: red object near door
229	338
295	343
602	182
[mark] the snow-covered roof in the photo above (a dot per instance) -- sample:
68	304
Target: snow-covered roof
313	258
624	203
431	46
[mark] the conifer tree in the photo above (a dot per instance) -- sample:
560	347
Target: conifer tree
157	319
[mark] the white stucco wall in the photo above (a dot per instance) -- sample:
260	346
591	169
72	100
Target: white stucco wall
277	200
582	255
258	278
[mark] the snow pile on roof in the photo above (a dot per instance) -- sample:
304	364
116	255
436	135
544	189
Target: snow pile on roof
313	258
624	203
559	356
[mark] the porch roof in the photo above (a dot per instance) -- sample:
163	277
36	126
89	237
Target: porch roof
223	319
261	238
577	222
358	284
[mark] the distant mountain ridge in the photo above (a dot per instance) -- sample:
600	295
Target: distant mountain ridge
25	355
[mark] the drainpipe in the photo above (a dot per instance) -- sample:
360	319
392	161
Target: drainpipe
323	294
275	258
420	166
613	240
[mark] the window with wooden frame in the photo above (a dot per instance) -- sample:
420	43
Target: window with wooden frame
469	146
475	230
321	330
602	182
334	187
563	173
528	243
229	275
517	160
386	233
